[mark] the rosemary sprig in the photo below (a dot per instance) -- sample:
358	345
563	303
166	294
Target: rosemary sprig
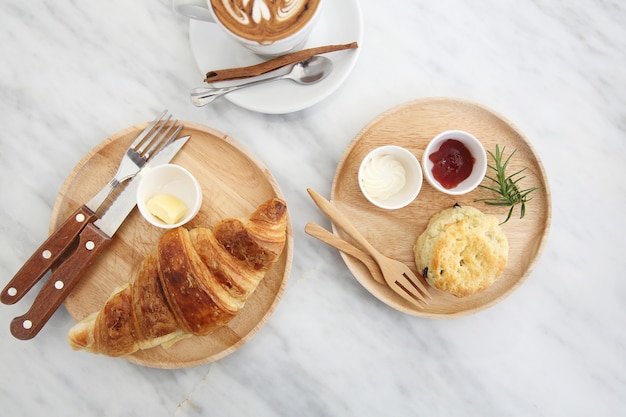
506	187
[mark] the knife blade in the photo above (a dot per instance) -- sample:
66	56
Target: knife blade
92	240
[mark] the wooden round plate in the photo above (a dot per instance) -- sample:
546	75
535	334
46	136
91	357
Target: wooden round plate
234	183
394	232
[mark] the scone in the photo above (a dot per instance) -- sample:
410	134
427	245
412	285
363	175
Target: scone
462	251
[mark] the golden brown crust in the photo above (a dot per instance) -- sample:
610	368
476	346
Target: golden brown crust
462	251
191	284
114	331
221	264
257	240
149	302
192	295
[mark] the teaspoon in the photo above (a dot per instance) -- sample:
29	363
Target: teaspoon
311	71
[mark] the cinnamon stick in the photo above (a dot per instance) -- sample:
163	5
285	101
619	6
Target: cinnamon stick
281	61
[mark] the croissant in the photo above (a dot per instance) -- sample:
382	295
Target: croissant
192	283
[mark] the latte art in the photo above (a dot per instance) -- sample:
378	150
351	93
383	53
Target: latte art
264	21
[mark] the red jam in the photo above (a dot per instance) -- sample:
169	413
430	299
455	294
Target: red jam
453	163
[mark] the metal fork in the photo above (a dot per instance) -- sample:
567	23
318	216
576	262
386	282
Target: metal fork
397	275
136	156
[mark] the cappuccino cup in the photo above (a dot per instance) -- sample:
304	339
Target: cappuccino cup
265	27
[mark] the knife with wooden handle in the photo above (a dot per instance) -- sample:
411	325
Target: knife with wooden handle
59	242
48	253
93	239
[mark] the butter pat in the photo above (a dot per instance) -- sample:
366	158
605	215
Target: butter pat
167	208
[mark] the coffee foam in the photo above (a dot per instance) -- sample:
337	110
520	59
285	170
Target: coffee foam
264	21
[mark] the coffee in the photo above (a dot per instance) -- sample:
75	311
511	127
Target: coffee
264	21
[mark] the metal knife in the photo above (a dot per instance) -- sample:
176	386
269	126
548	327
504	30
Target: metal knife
92	240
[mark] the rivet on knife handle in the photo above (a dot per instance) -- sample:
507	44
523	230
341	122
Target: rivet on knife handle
91	242
44	257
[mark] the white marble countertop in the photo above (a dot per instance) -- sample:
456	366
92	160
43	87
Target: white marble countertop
73	73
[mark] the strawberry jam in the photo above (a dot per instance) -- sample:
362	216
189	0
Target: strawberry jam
453	163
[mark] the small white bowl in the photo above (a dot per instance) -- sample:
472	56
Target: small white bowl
476	149
169	179
413	183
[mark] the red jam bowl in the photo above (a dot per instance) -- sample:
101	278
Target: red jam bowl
449	156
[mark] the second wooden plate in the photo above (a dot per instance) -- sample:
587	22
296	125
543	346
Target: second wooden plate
394	232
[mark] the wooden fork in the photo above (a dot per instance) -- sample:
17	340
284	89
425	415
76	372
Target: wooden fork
397	275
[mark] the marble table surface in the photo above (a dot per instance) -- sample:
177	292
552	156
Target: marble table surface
74	73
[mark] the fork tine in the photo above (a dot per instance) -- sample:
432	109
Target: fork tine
147	130
174	135
163	138
151	138
155	143
415	291
417	284
403	292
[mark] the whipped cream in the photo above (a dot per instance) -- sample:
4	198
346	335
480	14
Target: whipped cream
383	176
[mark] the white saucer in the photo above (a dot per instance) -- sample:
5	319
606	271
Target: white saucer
341	22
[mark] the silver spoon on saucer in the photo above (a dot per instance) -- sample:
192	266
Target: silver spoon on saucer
311	71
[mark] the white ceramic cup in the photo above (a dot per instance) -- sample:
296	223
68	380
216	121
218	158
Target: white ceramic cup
411	187
169	179
476	149
202	10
